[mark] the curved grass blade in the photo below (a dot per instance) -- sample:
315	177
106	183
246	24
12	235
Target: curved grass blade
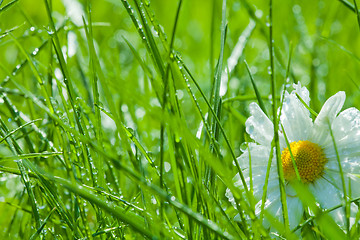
305	105
19	128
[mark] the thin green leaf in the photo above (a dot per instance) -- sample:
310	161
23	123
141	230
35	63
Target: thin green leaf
7	6
257	93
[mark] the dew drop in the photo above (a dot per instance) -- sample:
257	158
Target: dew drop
243	147
36	51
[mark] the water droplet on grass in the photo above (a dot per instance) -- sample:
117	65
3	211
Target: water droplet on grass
243	147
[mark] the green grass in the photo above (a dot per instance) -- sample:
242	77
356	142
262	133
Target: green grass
115	122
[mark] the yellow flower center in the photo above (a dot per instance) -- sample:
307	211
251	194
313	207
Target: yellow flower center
309	159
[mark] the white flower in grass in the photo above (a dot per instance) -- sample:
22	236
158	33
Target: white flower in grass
313	151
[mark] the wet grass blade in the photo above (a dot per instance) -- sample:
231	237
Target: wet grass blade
275	121
305	105
19	128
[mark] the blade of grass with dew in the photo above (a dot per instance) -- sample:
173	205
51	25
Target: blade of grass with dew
305	105
236	54
63	66
20	66
98	161
216	98
146	35
275	122
154	50
19	128
159	31
168	87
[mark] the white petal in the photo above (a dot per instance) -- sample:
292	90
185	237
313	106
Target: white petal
295	118
259	126
355	185
331	108
303	92
259	156
339	215
325	193
346	130
347	121
295	210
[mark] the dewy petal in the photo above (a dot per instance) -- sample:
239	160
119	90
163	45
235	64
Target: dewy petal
347	121
326	194
303	92
259	156
295	118
295	210
346	130
331	108
259	126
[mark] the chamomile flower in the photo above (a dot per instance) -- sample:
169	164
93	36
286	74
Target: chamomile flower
313	151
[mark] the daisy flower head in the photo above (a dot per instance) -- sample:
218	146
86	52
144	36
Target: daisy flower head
310	151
